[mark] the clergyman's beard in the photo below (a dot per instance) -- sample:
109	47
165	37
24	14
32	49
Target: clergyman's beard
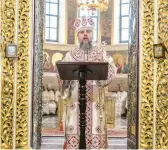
85	46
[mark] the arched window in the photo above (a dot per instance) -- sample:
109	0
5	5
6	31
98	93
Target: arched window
124	21
51	20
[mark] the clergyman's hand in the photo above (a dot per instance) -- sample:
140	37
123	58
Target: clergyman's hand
66	94
100	83
58	96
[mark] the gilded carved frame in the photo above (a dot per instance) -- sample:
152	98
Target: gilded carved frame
15	74
154	98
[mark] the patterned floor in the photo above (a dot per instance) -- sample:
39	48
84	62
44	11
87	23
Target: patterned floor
50	127
57	143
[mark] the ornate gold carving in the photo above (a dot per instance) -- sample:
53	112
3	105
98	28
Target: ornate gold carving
7	93
67	47
61	108
8	69
116	47
0	22
110	109
112	20
146	114
61	47
23	74
162	78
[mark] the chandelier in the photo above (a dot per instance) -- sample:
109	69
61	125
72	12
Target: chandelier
101	5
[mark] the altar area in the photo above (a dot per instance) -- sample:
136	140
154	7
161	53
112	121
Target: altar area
117	126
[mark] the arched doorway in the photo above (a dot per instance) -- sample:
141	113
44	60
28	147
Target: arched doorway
132	76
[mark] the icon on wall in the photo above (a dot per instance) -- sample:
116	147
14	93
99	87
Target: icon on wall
11	51
159	50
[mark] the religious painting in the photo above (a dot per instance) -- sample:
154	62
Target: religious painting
11	51
50	58
71	31
71	15
106	25
121	61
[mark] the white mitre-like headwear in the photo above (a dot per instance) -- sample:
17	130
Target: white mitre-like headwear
83	23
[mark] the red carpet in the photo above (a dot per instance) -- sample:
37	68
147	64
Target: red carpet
111	132
117	133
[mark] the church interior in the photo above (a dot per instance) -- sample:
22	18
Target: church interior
35	35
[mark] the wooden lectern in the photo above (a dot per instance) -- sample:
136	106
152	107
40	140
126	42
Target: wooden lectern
82	71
